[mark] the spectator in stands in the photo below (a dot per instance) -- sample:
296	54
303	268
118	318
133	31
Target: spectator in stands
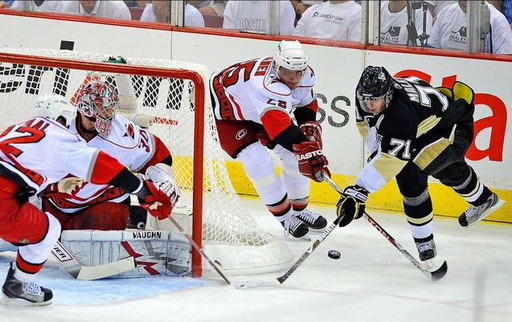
334	19
214	7
507	11
252	16
31	5
158	11
435	6
450	30
96	8
136	3
394	23
301	6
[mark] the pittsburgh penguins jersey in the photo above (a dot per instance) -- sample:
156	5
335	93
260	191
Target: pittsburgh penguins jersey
252	91
396	133
133	146
40	151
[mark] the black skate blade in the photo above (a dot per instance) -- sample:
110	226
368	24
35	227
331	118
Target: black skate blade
18	302
440	272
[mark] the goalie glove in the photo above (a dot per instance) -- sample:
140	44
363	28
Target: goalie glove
313	131
311	159
156	202
351	204
161	175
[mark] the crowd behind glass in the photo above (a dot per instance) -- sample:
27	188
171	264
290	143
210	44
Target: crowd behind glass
470	26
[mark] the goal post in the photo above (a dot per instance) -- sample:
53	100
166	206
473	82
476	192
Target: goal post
175	96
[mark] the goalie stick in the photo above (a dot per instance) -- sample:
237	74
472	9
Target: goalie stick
200	251
80	272
435	275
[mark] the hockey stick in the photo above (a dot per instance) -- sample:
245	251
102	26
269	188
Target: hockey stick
80	272
200	251
281	279
433	274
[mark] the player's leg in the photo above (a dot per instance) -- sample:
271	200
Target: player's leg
451	169
239	140
413	185
297	187
35	233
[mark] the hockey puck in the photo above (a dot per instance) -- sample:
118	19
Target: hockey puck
334	254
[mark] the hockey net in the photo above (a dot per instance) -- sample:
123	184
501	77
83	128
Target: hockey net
175	96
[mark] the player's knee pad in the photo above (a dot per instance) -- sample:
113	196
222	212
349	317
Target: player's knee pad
257	161
455	174
54	230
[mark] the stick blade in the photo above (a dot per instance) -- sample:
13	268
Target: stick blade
257	283
88	273
440	272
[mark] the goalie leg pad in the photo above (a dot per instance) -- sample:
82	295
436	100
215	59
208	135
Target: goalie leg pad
156	252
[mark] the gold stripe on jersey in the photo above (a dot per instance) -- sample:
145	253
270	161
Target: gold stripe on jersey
388	166
427	125
420	221
430	152
363	129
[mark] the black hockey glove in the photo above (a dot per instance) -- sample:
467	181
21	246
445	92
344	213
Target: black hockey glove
351	204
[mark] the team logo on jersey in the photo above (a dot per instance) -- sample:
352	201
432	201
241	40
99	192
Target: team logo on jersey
241	134
130	131
391	35
459	36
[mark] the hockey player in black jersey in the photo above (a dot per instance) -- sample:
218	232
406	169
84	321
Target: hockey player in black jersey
414	131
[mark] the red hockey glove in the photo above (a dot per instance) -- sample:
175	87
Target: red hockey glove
312	161
155	201
313	131
265	140
351	204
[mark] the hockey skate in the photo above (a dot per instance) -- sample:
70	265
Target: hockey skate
15	289
312	219
474	214
426	250
293	226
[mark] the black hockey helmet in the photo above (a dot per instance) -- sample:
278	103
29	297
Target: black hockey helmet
375	83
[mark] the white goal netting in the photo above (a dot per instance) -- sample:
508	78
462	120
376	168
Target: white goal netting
155	88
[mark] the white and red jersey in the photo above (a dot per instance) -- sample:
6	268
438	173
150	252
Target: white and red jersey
39	152
252	91
133	146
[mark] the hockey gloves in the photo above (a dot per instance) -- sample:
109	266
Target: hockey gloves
312	161
351	204
162	177
155	201
313	131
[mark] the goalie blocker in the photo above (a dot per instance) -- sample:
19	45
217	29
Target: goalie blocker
156	252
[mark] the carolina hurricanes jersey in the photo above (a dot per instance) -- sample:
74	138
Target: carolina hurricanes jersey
248	90
128	143
415	109
39	152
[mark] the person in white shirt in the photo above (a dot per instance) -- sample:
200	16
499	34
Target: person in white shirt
158	11
252	16
41	5
96	8
450	30
394	24
335	19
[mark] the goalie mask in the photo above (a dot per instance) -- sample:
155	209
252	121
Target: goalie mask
98	101
375	84
290	62
55	107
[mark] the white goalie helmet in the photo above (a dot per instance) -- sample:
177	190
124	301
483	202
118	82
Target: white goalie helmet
290	55
55	107
98	101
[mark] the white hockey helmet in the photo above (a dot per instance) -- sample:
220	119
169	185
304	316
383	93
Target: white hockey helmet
290	55
54	107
